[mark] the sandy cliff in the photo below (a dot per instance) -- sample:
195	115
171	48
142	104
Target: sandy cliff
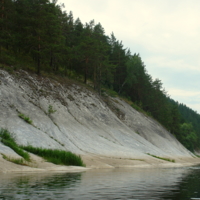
105	132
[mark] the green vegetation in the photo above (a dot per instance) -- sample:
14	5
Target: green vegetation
55	156
137	159
18	161
110	92
25	118
38	36
58	157
166	159
51	110
8	140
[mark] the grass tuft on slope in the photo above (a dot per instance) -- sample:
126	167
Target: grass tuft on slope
56	156
8	140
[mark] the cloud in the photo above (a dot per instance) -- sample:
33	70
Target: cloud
175	63
184	93
165	26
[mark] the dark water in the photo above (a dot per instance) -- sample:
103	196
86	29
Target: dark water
176	184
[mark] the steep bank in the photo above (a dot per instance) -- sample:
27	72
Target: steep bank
105	132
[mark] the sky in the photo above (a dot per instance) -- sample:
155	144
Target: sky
165	33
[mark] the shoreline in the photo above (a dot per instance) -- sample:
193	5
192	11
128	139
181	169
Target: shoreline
92	163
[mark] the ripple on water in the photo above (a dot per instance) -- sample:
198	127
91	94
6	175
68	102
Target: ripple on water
174	184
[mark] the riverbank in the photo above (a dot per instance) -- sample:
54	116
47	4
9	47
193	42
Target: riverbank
38	164
96	162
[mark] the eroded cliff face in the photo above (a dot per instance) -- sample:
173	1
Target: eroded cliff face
82	122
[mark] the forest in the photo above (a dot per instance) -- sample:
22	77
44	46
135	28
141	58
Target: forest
38	35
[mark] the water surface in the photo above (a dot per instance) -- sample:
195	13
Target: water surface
156	184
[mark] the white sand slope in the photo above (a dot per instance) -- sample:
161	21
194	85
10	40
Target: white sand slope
105	131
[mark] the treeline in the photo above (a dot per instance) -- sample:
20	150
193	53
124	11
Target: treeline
38	32
188	130
193	128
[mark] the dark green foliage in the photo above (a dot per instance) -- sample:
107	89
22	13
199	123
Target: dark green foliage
186	125
110	92
59	157
139	108
188	136
5	134
190	116
8	140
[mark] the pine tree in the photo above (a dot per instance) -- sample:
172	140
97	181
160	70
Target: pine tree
7	15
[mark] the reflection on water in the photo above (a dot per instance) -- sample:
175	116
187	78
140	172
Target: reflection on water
175	184
37	185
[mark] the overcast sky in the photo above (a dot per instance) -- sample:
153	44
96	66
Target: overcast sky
165	33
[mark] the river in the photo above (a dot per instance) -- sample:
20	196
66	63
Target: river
155	184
